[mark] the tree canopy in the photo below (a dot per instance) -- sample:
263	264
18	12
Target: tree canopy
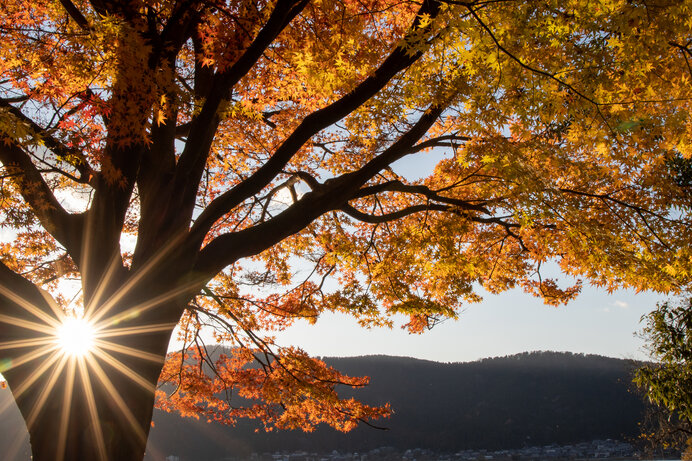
234	165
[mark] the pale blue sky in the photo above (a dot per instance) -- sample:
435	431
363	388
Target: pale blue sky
509	323
512	322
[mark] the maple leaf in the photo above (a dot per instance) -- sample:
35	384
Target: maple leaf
228	167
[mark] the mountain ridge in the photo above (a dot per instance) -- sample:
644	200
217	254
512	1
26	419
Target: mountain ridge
527	399
505	402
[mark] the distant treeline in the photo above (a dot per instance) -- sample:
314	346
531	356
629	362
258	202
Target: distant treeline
528	399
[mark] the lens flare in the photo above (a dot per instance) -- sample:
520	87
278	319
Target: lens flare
76	336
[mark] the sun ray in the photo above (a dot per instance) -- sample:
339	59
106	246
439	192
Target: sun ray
57	310
65	415
129	351
118	365
133	281
45	391
87	241
23	386
91	404
138	309
26	305
28	324
90	368
115	395
22	343
31	379
33	355
128	331
103	283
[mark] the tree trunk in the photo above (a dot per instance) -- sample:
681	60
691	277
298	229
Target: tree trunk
96	407
94	427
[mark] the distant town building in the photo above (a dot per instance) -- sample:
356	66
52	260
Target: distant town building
596	450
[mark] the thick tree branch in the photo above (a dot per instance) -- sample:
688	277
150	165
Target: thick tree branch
451	140
57	147
396	151
21	299
28	316
103	222
65	227
400	59
461	211
115	7
75	14
398	186
332	195
387	217
180	25
157	168
203	127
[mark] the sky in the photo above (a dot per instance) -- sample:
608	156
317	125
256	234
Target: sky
512	322
509	323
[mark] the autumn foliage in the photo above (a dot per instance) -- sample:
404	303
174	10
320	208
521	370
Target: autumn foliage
234	166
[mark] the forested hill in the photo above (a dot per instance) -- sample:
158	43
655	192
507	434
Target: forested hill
527	399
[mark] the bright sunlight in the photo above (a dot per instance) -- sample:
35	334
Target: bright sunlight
76	336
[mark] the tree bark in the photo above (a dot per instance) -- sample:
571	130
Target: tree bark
91	426
96	407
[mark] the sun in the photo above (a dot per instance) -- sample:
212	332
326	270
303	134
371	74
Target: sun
76	336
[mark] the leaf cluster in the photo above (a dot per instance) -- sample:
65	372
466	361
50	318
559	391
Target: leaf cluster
250	154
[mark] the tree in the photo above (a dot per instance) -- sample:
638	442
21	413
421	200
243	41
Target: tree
233	164
668	382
